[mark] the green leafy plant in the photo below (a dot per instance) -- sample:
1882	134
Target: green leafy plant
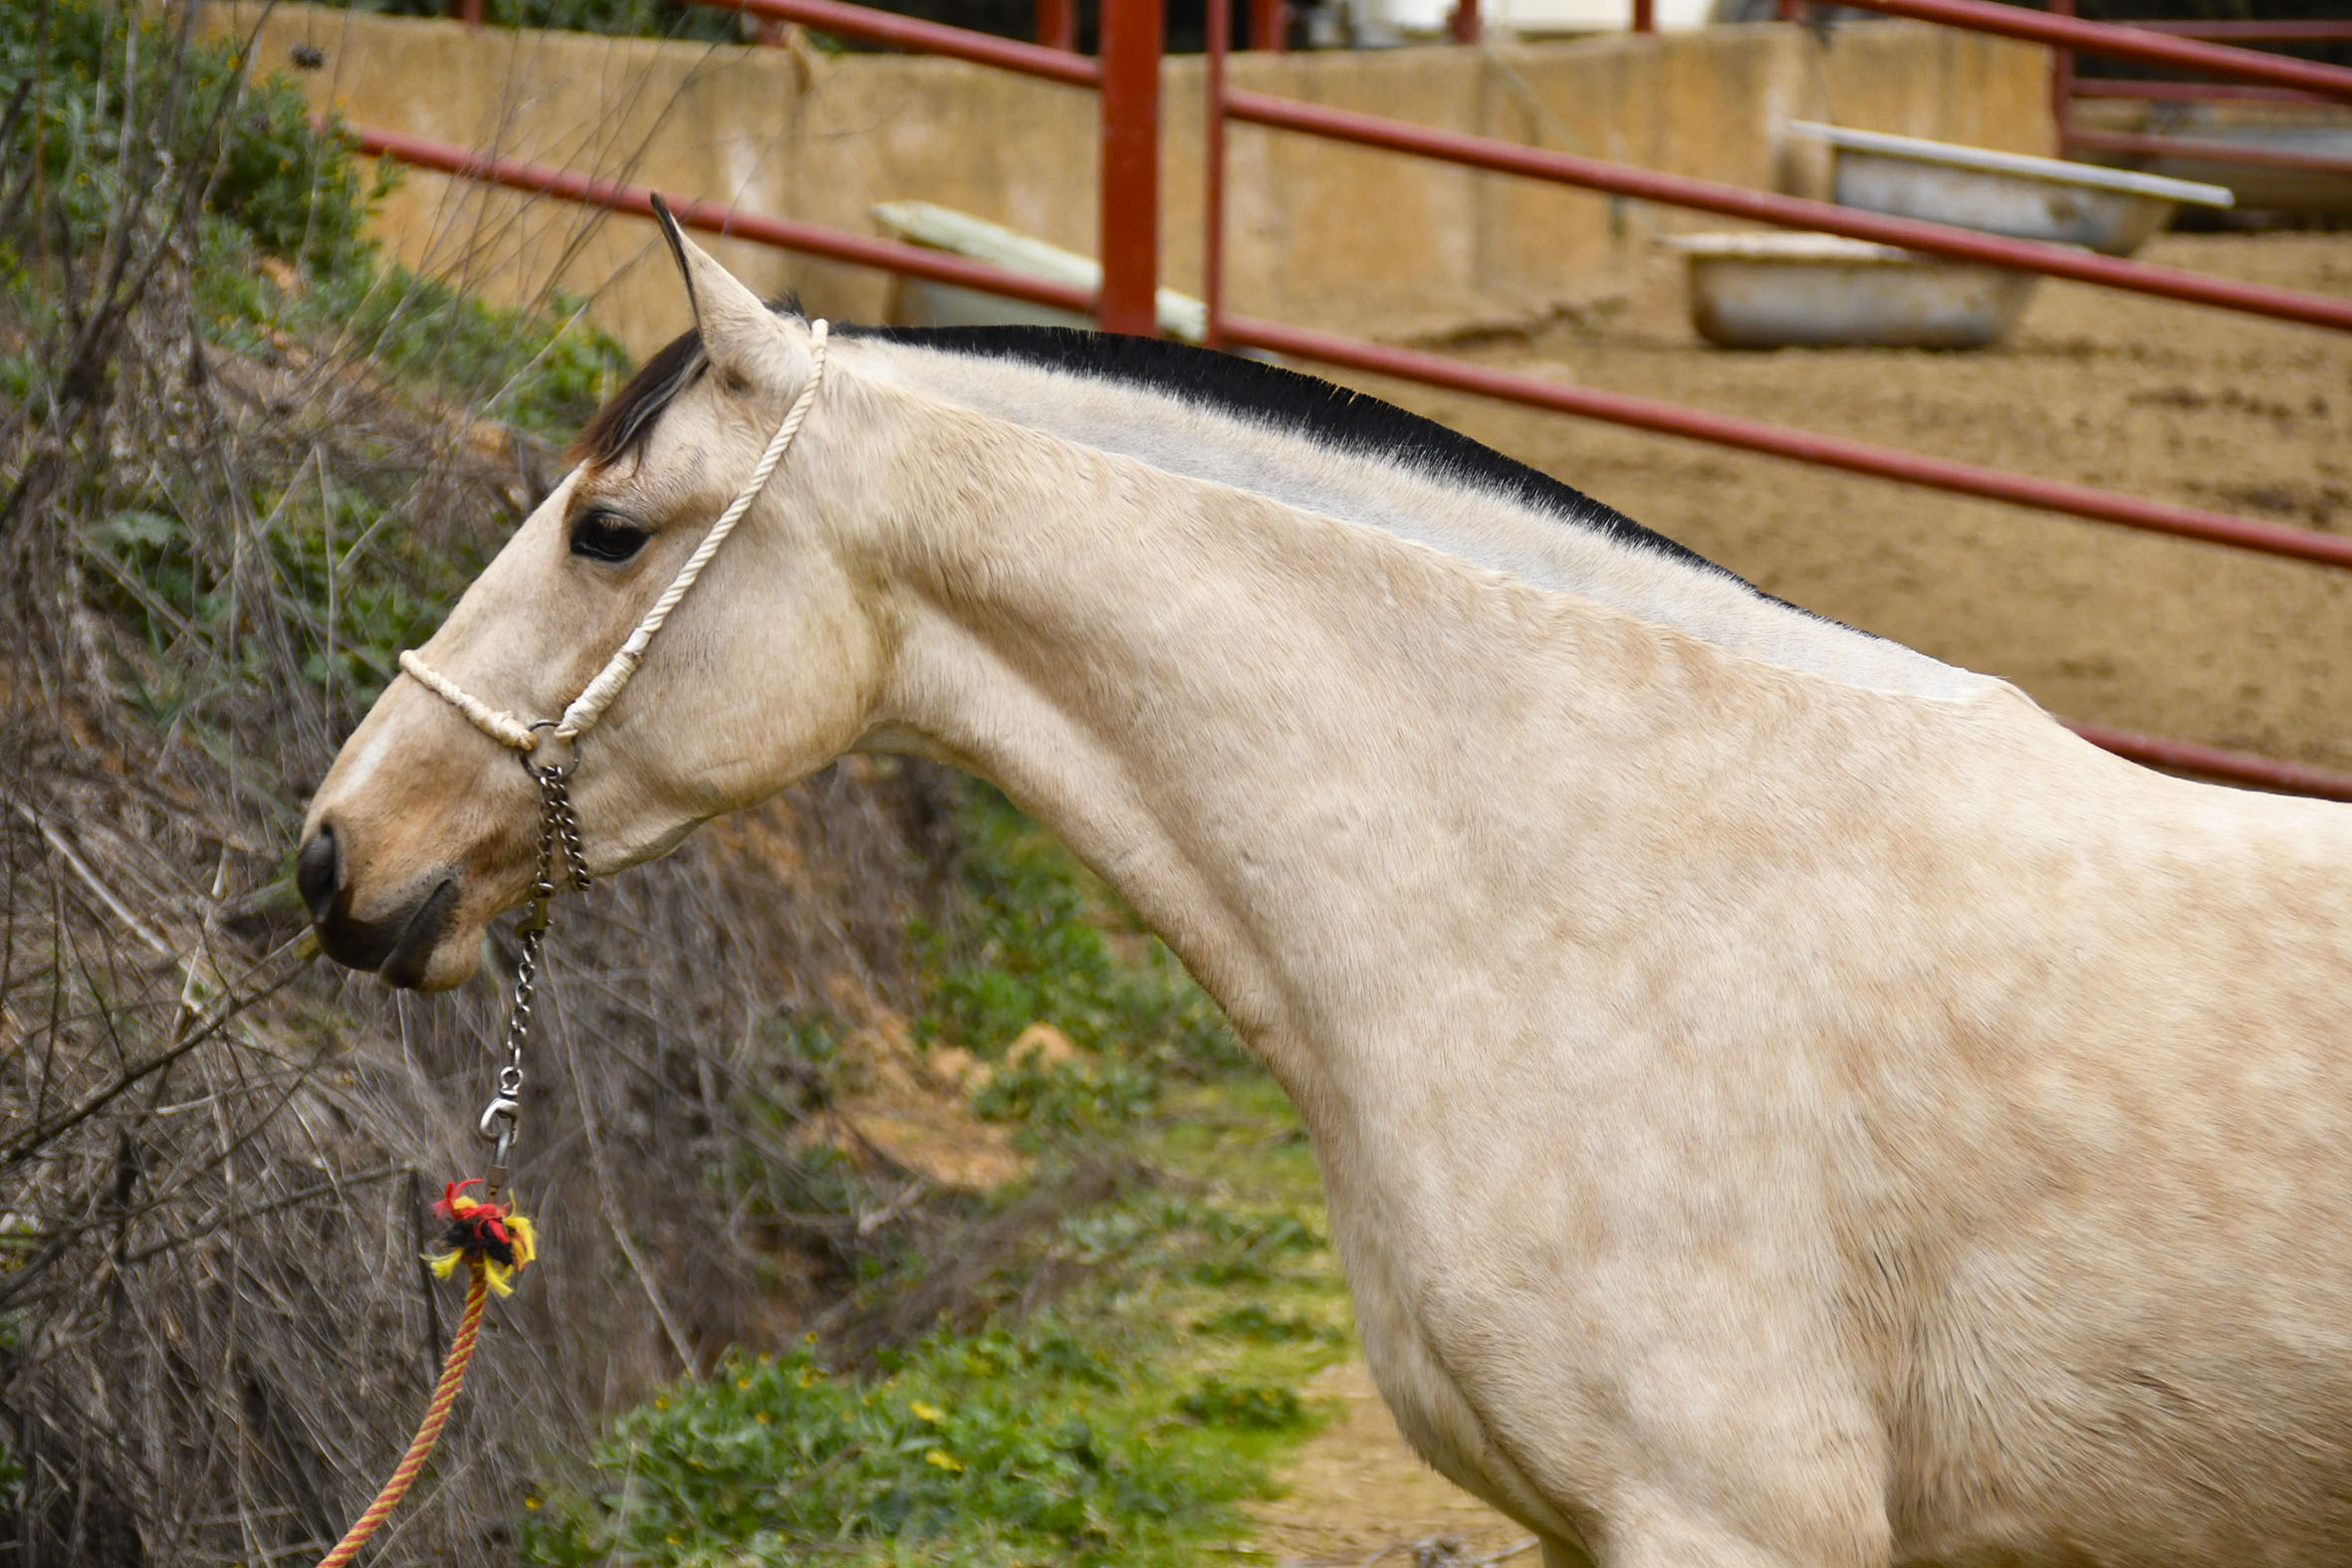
992	1448
1254	1322
1119	1425
93	77
284	276
626	18
1090	1096
1259	1406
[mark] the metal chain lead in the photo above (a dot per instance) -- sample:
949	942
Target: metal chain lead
558	827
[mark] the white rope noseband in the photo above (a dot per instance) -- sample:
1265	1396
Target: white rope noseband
587	707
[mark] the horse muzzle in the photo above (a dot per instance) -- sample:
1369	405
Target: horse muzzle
398	944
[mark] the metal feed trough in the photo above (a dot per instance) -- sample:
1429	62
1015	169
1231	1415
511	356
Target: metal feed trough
2113	211
1778	291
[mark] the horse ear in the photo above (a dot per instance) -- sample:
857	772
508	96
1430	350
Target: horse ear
729	319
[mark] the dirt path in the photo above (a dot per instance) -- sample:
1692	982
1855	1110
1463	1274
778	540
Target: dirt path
1359	1495
2242	415
2224	411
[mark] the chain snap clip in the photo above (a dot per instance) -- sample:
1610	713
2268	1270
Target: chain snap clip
559	833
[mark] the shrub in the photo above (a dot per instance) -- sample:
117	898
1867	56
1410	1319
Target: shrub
111	100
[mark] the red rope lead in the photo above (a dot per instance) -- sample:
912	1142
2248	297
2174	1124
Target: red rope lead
436	1415
494	1243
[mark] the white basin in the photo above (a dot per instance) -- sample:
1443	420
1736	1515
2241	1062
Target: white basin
1778	291
2109	210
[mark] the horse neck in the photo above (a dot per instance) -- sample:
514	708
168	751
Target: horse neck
1333	769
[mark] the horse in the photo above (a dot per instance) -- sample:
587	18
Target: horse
1782	1100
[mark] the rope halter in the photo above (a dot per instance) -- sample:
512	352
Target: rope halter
581	714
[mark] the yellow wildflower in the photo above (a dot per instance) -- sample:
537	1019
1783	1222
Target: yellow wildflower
945	1461
930	1412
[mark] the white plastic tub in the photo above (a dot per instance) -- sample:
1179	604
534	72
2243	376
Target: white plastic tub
1781	291
2109	210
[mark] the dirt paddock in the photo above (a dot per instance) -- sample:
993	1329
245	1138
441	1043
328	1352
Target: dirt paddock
2188	404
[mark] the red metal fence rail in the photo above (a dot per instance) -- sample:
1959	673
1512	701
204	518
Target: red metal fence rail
2094	140
1738	201
808	239
1641	414
2254	32
926	38
2145	45
2067	87
1129	204
1804	446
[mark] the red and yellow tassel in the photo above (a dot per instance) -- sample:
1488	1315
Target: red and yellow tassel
494	1233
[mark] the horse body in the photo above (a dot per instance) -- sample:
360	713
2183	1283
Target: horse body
1922	1124
1782	1101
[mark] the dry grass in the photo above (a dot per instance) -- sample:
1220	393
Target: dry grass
215	1154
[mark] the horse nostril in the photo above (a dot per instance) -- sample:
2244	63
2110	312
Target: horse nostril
318	872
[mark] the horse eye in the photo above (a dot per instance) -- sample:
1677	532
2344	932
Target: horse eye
601	535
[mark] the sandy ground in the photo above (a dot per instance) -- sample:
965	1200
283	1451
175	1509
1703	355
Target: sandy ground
1359	1495
2096	622
2219	410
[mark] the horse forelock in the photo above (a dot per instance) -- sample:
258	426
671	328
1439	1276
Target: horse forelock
622	425
630	415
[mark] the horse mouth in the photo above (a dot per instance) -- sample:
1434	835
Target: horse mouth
405	964
399	945
398	948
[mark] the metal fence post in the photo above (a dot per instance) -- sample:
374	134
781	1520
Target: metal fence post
1269	25
2062	85
1130	167
1213	195
1645	16
1057	23
1462	23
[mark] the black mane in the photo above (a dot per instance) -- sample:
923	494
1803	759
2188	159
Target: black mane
1264	394
1285	401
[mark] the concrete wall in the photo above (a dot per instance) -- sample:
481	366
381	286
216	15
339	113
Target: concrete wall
1317	233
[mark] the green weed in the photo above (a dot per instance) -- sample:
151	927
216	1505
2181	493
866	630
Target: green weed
1252	1321
358	584
627	18
1259	1406
991	1449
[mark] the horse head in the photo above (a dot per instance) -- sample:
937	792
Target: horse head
425	827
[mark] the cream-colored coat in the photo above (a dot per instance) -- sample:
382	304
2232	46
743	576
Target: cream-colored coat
1781	1100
